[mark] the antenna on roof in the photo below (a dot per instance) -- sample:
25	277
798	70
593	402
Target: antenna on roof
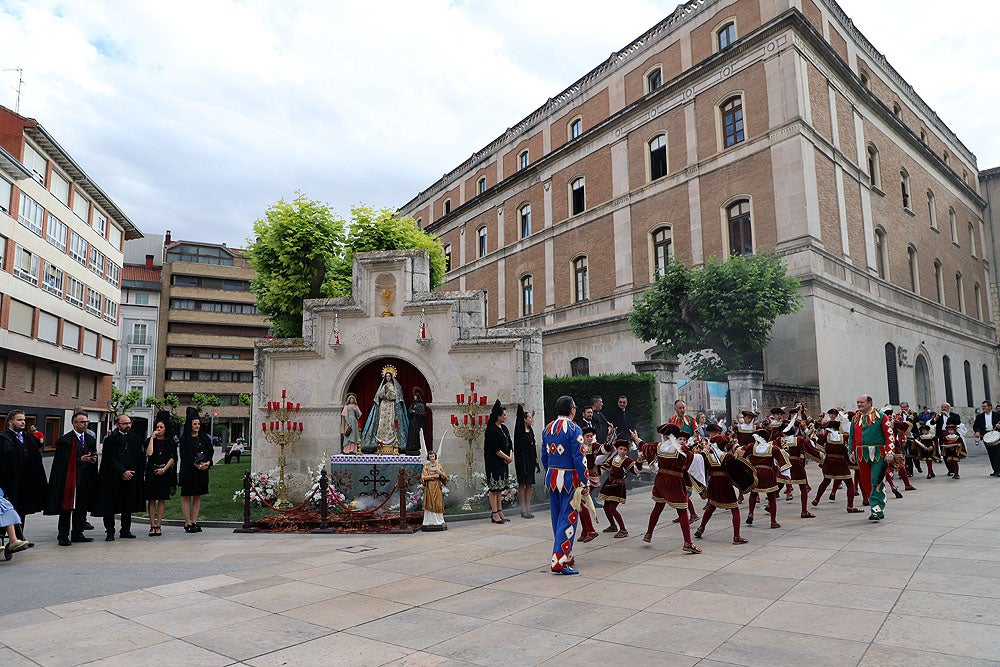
20	82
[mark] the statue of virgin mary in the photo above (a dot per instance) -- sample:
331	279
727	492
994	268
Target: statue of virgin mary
387	425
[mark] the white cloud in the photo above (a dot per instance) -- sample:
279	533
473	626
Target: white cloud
195	116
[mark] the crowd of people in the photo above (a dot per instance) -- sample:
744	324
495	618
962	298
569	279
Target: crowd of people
129	475
753	459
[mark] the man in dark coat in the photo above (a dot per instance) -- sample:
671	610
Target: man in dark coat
602	427
22	475
73	481
620	419
120	479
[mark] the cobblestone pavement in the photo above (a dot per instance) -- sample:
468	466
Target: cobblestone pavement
920	588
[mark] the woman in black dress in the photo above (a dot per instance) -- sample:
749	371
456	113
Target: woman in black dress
196	458
497	456
161	471
525	459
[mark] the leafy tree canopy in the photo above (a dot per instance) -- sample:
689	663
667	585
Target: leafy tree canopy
302	250
123	401
726	307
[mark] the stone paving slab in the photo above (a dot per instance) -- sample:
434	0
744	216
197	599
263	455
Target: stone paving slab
920	588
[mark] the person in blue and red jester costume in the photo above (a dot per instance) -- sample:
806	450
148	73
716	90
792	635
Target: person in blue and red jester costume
565	472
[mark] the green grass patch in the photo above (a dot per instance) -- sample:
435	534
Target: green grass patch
223	481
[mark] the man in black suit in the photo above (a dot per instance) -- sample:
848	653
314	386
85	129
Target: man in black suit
620	419
987	421
73	481
120	479
602	427
22	475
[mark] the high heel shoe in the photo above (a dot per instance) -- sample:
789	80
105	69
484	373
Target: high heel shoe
493	518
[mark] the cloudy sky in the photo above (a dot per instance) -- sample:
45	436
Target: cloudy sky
194	116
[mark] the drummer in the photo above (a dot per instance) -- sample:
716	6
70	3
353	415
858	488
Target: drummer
985	427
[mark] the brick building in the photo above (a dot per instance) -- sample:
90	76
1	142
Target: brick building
61	244
207	327
737	126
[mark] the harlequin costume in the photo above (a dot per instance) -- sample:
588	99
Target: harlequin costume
799	448
613	491
953	450
768	460
565	471
835	467
903	426
591	479
719	490
672	460
685	424
927	445
871	440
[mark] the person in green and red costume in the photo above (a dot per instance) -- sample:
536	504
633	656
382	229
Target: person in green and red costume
872	445
684	422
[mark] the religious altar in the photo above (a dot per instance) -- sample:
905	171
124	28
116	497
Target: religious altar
370	476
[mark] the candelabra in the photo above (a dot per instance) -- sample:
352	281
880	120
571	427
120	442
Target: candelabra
282	431
470	428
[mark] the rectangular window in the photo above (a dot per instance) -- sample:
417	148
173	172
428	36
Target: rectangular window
48	327
527	295
522	160
81	205
93	302
525	215
110	311
56	232
90	343
578	200
447	258
483	246
139	388
74	291
59	187
114	273
141	299
71	336
101	223
29	377
581	288
3	250
78	248
107	349
575	129
53	280
182	304
139	334
26	265
30	214
5	192
35	163
137	364
115	236
21	318
97	261
93	388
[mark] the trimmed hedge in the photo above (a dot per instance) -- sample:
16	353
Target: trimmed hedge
637	387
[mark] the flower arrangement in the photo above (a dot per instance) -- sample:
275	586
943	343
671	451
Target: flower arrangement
332	494
262	485
508	490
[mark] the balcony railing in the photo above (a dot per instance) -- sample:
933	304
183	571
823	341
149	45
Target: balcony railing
136	370
139	340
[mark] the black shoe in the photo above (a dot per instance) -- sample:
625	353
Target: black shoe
195	528
110	537
126	535
993	474
88	526
64	542
31	545
82	538
896	493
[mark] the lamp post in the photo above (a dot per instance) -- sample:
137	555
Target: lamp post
281	430
470	427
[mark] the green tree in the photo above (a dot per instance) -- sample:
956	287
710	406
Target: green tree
293	249
302	250
170	403
201	400
123	401
723	313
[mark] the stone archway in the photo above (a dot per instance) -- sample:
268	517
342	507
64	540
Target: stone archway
366	382
922	381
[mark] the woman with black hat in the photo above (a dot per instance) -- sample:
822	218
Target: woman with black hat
196	458
497	456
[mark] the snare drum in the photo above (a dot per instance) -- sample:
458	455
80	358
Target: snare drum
991	438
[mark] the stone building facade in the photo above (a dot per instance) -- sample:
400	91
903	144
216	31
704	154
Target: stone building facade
737	126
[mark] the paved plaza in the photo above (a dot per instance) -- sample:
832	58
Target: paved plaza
921	588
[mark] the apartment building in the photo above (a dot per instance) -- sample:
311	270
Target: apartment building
61	247
731	127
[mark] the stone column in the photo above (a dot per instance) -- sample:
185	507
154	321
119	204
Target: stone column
664	372
744	387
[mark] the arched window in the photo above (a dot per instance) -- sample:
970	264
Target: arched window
904	186
911	253
953	222
481	236
579	366
896	110
968	382
890	373
865	81
524	216
527	295
946	158
447	257
654	79
972	240
658	157
939	282
663	250
874	171
420	223
923	136
481	185
725	35
881	263
732	121
522	159
575	128
977	294
986	383
578	198
949	396
581	281
931	211
960	286
740	228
